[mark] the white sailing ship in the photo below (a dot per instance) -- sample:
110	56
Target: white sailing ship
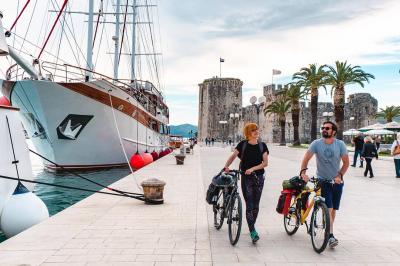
77	117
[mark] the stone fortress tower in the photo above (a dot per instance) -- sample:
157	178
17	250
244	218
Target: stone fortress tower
218	97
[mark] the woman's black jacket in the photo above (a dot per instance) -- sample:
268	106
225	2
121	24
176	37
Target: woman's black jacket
369	151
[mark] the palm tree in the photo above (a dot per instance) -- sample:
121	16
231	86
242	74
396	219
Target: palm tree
294	94
311	79
279	107
344	74
389	113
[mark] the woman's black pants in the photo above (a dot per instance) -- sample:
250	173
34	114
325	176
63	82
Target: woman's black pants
369	167
252	188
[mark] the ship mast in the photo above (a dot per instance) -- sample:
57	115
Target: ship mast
89	63
133	55
116	40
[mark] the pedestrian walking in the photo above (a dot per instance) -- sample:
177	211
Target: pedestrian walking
358	146
395	151
378	142
253	156
212	141
328	151
368	153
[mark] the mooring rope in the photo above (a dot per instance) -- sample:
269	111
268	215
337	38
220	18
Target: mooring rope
76	188
87	179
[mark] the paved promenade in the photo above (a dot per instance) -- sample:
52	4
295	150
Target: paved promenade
106	230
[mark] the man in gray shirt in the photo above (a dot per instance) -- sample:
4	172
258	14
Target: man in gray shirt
329	151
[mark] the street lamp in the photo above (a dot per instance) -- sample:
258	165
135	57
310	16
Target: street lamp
327	115
233	116
253	101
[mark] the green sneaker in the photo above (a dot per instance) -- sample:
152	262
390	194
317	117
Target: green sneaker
254	236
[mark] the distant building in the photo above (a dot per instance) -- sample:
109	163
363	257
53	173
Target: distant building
220	97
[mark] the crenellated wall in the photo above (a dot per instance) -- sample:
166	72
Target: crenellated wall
220	97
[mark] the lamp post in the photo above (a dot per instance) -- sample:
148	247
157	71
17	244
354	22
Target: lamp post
327	115
253	101
233	116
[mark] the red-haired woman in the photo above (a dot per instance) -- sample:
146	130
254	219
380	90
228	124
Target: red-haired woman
253	156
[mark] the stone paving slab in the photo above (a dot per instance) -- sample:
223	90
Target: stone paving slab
106	230
366	225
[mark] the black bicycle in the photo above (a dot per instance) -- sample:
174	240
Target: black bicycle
228	204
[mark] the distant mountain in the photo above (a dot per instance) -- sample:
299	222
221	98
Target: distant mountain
183	130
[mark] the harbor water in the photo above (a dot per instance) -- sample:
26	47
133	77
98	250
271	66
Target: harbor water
57	199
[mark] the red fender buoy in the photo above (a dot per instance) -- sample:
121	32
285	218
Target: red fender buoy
155	156
136	161
4	101
147	158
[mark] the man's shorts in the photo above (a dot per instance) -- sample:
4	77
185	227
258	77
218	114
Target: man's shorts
332	194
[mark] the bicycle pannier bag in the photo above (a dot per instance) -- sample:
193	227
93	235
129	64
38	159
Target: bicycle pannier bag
212	194
284	201
281	203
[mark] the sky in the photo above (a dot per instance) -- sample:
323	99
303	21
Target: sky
257	36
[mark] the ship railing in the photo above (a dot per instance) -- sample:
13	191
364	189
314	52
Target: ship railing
78	74
70	73
15	72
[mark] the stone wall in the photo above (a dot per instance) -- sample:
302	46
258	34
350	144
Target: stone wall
361	107
220	97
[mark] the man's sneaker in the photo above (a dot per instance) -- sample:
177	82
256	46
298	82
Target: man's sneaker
254	236
333	242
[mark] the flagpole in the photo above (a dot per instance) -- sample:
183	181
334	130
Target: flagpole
272	82
220	63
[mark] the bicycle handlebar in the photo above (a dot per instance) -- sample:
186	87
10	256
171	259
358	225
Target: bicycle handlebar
238	172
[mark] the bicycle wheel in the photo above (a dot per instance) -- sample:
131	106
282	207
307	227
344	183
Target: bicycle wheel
235	219
291	221
319	227
218	209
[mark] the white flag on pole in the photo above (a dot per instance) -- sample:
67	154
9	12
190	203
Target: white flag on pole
276	72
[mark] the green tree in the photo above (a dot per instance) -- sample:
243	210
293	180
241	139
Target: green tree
389	113
311	79
294	93
279	107
339	77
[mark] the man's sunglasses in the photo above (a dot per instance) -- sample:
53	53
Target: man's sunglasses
254	129
326	128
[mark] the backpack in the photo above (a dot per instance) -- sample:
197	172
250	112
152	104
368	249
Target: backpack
396	149
260	146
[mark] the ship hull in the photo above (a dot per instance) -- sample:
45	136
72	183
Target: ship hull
81	126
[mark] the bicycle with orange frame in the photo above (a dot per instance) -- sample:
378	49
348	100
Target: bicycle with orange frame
300	207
